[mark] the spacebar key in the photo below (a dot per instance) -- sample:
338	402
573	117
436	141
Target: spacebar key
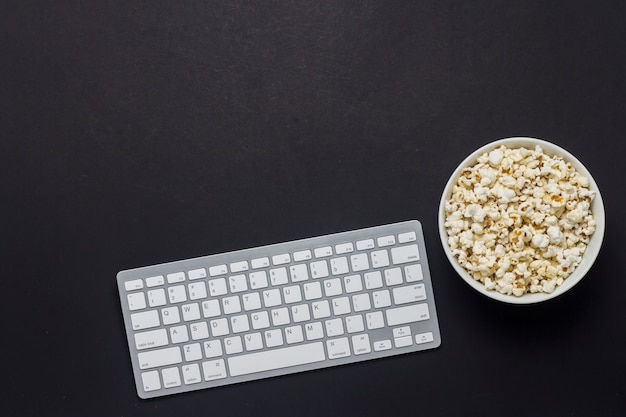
276	359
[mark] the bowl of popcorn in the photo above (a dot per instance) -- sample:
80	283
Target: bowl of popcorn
521	220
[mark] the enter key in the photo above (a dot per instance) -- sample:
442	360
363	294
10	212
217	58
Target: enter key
409	294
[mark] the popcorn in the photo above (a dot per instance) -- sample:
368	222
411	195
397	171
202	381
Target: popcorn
519	220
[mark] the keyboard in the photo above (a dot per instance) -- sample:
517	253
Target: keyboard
278	309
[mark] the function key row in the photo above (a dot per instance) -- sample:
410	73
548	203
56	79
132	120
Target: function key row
264	262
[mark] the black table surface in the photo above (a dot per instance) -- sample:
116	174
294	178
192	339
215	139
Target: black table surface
137	133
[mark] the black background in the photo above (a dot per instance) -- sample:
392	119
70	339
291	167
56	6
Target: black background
136	133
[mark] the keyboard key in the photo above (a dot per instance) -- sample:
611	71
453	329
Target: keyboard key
179	334
424	337
280	316
299	273
386	241
341	306
344	248
380	258
199	330
407	314
293	335
212	349
239	323
334	327
171	377
151	381
155	281
375	320
170	315
160	357
409	294
381	299
283	258
353	283
240	266
407	237
197	291
404	254
403	341
151	339
192	352
319	269
260	320
175	277
196	274
320	309
253	341
258	280
191	374
219	327
231	305
413	273
361	302
145	320
273	338
156	297
300	313
263	262
276	359
136	301
251	301
332	287
365	244
338	348
303	255
359	262
278	276
382	345
217	287
373	280
135	284
238	283
393	276
191	312
217	270
314	331
323	252
177	294
271	298
401	331
354	324
233	345
312	290
292	294
214	370
211	308
339	266
361	344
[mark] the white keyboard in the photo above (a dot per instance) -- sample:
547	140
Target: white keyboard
278	309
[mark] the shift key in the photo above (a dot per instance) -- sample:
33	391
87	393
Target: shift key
407	314
161	357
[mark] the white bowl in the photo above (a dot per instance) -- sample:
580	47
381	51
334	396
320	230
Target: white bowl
597	209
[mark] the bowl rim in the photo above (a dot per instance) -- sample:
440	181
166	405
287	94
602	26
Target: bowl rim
591	252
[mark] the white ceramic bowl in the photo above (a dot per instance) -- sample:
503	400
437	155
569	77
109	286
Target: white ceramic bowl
597	209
